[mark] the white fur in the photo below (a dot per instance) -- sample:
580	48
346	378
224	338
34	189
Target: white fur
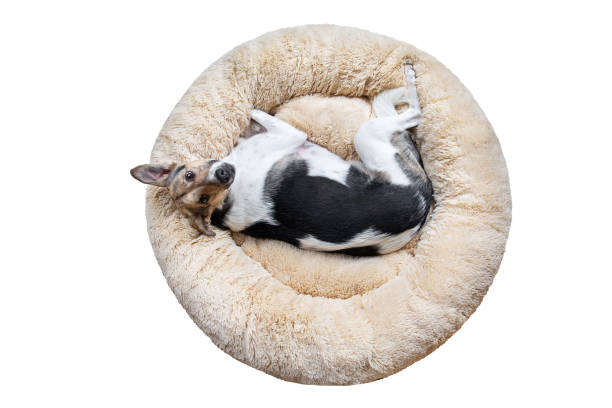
323	163
367	237
394	242
385	102
252	158
373	139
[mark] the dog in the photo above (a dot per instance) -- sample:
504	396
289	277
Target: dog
275	184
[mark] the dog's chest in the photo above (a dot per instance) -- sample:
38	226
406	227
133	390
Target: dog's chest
260	165
252	161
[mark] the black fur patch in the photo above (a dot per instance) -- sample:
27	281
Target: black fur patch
370	250
218	215
333	212
280	232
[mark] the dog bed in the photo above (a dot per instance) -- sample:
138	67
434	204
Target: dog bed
326	318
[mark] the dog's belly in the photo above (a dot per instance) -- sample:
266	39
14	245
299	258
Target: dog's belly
246	202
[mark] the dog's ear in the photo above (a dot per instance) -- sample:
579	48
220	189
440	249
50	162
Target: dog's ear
157	175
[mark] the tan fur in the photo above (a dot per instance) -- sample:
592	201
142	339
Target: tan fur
186	194
327	318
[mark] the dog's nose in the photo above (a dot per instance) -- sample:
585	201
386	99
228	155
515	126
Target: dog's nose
225	173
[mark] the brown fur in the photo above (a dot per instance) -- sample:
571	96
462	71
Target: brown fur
186	193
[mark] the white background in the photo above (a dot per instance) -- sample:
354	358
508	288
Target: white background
86	318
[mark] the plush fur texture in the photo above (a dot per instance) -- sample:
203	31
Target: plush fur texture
327	318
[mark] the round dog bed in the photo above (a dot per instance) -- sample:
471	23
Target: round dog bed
327	318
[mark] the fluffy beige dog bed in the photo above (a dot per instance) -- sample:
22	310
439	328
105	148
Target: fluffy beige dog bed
327	318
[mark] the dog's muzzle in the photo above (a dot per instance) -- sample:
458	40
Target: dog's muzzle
225	173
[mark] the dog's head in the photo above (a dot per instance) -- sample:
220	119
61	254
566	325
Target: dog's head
197	188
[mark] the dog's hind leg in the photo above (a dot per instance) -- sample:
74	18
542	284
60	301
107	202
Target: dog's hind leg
279	134
385	103
384	144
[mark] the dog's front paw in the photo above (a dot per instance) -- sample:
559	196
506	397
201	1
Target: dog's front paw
208	232
202	225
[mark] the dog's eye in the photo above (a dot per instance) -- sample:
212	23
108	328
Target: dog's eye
189	175
203	199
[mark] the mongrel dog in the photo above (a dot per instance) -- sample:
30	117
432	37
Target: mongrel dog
275	184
